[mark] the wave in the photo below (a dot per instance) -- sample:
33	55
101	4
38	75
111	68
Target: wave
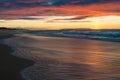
67	58
104	35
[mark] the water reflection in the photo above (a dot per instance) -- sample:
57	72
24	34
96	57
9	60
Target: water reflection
69	59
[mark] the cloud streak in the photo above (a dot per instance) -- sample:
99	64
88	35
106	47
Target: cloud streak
13	9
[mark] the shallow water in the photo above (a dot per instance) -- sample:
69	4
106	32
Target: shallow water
103	35
67	58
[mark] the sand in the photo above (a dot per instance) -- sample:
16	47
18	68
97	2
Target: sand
58	58
10	66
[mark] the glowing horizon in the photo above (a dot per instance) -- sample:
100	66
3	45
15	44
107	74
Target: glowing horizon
58	22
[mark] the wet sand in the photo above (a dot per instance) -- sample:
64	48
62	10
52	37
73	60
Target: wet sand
58	58
10	66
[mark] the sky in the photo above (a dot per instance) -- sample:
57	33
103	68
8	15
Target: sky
60	14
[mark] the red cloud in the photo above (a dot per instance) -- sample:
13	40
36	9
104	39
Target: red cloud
68	10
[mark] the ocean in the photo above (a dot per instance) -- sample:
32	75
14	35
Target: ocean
104	35
68	54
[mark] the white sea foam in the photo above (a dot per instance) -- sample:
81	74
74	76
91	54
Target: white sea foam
104	35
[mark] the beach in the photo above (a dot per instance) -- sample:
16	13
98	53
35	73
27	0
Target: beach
59	39
11	66
59	58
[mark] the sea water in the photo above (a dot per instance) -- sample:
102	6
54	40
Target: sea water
104	35
60	58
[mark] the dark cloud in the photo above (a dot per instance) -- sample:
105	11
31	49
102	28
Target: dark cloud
74	18
12	17
10	4
70	19
29	18
87	2
79	18
16	4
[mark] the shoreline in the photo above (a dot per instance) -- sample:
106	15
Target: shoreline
11	65
52	47
54	55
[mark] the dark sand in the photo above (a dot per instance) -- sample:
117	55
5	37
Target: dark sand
11	66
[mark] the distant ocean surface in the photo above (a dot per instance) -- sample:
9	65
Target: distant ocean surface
104	35
61	58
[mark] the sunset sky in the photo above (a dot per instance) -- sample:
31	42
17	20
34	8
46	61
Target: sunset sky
60	14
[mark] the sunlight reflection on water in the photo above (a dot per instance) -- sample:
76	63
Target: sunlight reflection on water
67	58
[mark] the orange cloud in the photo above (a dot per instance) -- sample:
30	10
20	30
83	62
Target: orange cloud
91	10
